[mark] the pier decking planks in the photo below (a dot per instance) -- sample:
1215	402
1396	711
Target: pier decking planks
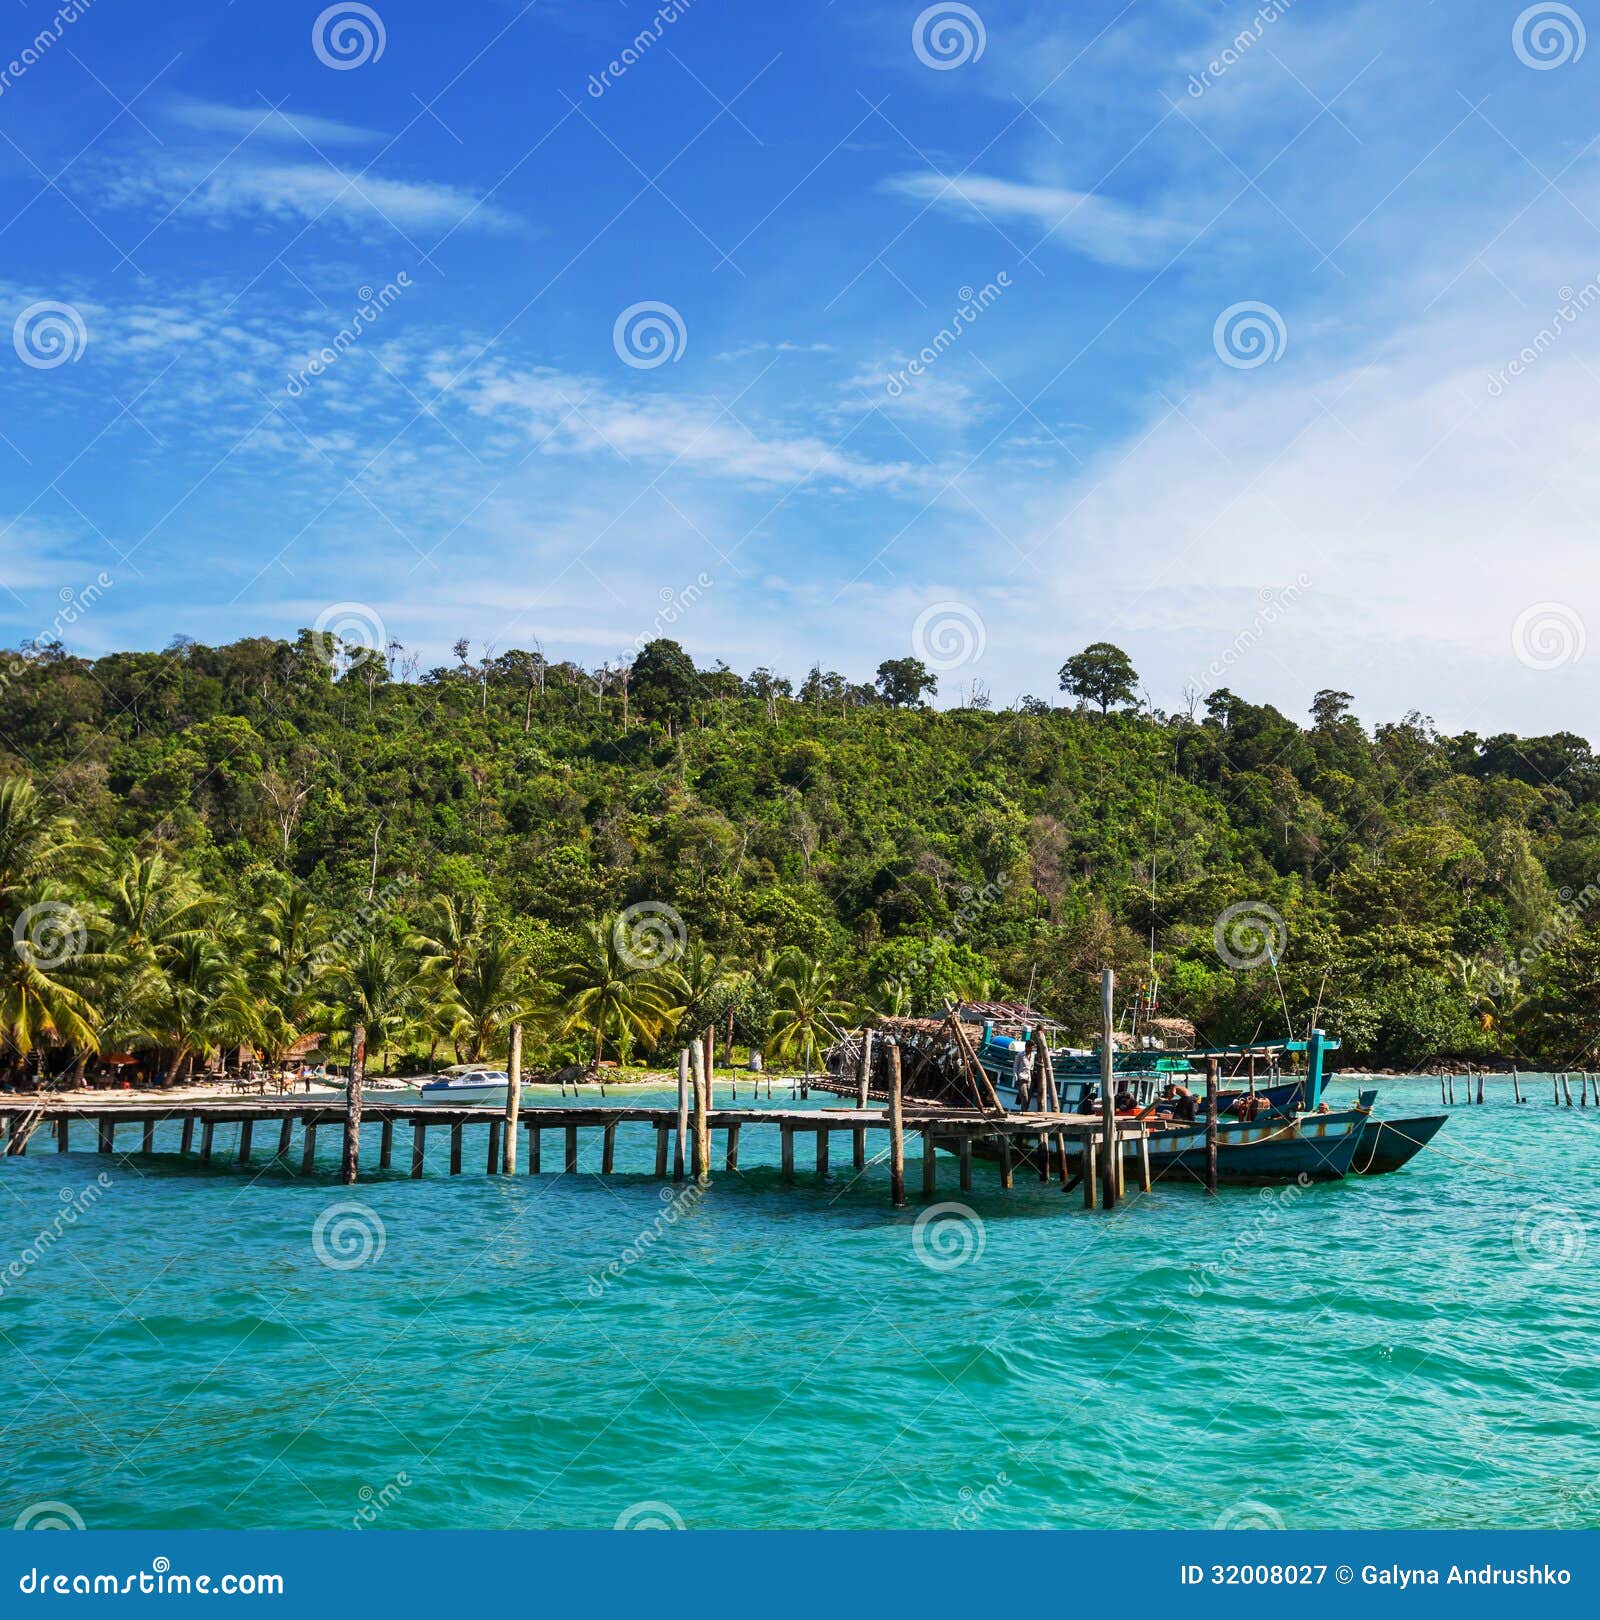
956	1130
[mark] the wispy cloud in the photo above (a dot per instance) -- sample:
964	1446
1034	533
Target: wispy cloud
261	122
1101	228
239	188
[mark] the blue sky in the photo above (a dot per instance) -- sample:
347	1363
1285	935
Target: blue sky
1361	485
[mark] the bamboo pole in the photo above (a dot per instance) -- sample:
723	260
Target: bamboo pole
683	1115
350	1167
702	1113
1211	1124
1108	1110
897	1132
513	1100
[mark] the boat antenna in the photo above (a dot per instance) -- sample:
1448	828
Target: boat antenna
1317	1010
1288	1022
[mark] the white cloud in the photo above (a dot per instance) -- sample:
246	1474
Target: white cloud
239	188
1101	228
261	122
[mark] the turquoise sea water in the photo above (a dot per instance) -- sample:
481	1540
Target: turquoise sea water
1411	1350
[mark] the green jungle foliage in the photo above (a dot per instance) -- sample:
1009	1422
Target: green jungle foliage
251	842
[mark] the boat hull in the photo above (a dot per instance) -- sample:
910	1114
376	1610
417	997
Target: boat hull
492	1095
1386	1144
1316	1147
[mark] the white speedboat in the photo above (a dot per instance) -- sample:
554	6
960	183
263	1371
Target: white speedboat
468	1086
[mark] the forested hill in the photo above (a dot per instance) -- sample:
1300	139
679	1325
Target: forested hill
1434	892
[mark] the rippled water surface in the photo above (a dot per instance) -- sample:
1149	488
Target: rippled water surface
1408	1350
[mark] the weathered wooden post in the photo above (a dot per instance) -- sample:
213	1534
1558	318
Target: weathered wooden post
1145	1182
245	1131
285	1135
897	1132
930	1166
1211	1124
863	1070
386	1143
683	1115
1516	1085
419	1147
494	1163
702	1113
1566	1088
1480	1087
352	1108
1108	1101
1555	1090
1452	1080
148	1142
513	1100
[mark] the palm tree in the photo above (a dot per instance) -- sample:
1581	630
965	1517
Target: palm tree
291	959
607	995
381	987
493	990
44	978
808	1011
202	1001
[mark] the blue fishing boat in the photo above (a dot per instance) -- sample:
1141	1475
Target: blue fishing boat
1387	1144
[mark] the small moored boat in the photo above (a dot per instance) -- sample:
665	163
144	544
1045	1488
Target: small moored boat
467	1085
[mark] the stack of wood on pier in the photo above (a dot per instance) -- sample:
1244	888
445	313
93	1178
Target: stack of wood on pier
938	1064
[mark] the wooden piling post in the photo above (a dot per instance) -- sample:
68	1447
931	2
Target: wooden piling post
513	1099
1566	1088
148	1144
207	1133
731	1160
456	1133
662	1148
494	1165
386	1144
1480	1087
964	1157
1044	1157
822	1150
1145	1183
308	1156
1091	1169
1211	1124
608	1149
1061	1150
571	1166
897	1132
1006	1179
350	1163
930	1165
1441	1088
418	1148
702	1113
108	1131
1108	1107
683	1115
535	1149
1555	1090
285	1135
786	1138
1516	1086
246	1131
61	1134
863	1071
1452	1080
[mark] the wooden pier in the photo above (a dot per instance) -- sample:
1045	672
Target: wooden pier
1054	1144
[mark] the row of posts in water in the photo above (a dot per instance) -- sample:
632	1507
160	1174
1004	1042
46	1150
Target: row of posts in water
1560	1085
